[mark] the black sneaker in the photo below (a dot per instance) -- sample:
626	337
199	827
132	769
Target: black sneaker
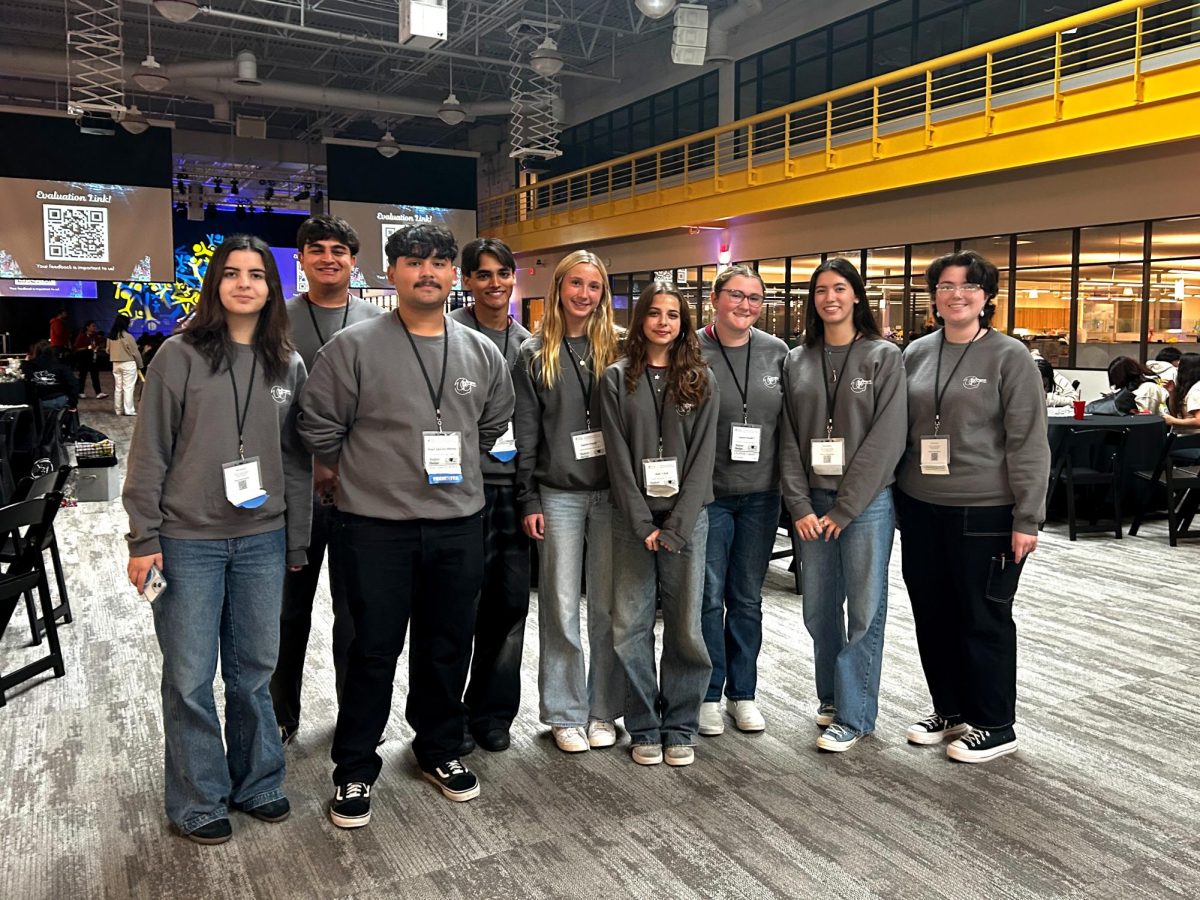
351	805
457	782
467	747
218	831
934	729
494	741
275	811
287	733
980	745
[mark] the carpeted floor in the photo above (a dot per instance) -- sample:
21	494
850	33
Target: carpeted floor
1101	800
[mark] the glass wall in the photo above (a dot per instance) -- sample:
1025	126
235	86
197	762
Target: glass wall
1080	296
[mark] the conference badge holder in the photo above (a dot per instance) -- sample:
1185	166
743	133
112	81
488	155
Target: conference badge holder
443	456
588	444
505	448
661	477
935	455
829	456
745	442
243	483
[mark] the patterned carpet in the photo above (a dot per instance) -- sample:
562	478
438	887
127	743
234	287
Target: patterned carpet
1101	800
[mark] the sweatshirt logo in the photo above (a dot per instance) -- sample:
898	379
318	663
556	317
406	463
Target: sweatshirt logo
859	385
685	409
280	394
44	377
771	381
463	386
971	382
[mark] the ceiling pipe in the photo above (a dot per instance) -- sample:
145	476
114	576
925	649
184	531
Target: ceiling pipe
726	21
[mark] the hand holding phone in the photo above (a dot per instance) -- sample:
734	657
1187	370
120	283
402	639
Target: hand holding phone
155	584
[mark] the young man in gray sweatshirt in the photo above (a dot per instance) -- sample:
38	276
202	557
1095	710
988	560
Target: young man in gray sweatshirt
494	691
328	248
401	407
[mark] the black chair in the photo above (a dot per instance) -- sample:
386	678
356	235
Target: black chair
1178	472
1093	459
15	424
36	488
788	529
51	445
24	525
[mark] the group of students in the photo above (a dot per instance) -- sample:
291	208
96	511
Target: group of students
53	380
426	450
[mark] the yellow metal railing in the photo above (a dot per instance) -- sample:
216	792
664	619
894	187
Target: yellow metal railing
1116	43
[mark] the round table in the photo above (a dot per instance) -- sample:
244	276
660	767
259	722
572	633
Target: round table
1142	446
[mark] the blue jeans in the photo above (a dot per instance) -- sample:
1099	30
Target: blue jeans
741	536
666	712
575	519
223	598
845	606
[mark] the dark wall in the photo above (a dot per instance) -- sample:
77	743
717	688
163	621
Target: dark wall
40	147
360	174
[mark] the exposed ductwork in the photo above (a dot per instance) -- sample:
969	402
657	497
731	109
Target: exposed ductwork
723	23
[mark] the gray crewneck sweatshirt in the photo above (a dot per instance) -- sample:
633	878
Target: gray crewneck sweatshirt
545	420
302	314
367	404
869	415
508	342
186	431
631	435
765	400
994	413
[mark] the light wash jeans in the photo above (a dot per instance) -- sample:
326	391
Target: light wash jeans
124	380
665	712
575	519
741	536
223	597
845	607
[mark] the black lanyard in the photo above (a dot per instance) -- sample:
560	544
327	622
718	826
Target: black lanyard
585	390
317	328
507	331
240	416
435	398
658	407
938	394
743	390
831	399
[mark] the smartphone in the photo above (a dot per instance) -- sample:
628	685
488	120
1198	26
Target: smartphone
155	584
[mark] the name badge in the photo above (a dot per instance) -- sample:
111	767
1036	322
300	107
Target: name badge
661	477
505	447
745	442
935	455
443	456
243	483
829	456
588	444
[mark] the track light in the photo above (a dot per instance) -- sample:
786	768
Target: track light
546	60
177	10
387	146
451	111
269	193
217	189
653	9
134	121
234	187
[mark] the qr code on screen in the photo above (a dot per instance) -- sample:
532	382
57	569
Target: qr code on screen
386	231
75	233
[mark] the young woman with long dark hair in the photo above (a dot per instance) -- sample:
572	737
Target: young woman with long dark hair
660	424
218	495
126	360
1184	408
844	432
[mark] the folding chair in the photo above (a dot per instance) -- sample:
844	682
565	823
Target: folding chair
1179	477
35	488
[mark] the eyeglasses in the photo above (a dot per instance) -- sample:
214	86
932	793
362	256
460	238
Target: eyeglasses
946	289
755	300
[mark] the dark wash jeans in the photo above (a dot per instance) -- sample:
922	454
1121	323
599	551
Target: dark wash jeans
494	692
962	597
295	620
427	572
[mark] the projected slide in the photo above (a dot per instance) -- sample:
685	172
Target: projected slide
37	287
375	223
80	231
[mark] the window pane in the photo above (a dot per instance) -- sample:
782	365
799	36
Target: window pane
1110	243
1043	317
663	104
621	299
928	7
776	90
849	31
891	15
1044	248
1175	304
689	119
1175	237
1110	314
747	104
620	118
688	92
776	58
772	317
885	289
641	110
892	51
988	20
849	65
939	35
802	269
922	321
815	44
810	78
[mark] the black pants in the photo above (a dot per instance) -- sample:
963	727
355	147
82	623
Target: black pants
494	693
961	580
86	362
295	620
428	572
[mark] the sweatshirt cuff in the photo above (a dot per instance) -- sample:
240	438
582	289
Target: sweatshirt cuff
839	516
328	459
297	557
531	507
1025	526
673	540
800	509
147	546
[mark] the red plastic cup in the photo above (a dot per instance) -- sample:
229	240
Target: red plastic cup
1079	405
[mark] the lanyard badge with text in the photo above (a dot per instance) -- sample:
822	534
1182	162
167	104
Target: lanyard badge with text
829	455
745	440
661	474
935	448
505	447
441	451
243	477
588	443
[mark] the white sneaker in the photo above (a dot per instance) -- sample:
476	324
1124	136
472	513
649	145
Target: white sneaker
746	715
711	723
647	754
600	734
570	738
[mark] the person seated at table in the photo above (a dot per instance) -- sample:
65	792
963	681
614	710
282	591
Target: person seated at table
1165	373
1169	354
50	379
1183	412
1050	388
1062	386
1126	372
